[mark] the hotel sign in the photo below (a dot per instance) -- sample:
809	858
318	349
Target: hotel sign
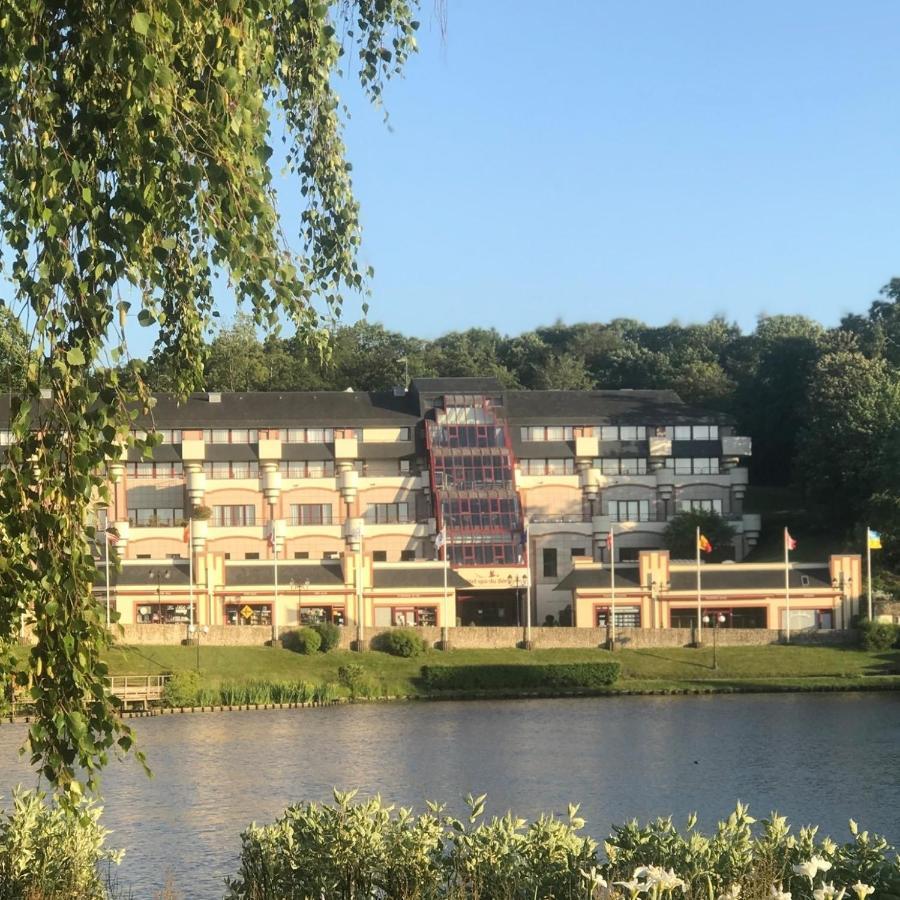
496	577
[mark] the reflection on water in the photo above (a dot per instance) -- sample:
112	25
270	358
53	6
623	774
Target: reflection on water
816	758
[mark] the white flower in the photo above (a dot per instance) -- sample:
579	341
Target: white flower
776	893
806	869
828	892
862	890
634	887
822	864
732	893
594	877
667	880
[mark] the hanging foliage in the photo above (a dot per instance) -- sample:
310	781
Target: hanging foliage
135	148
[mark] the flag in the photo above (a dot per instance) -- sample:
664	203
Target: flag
873	539
187	533
113	536
609	540
703	544
439	541
789	542
271	538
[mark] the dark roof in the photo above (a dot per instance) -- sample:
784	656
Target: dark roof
318	573
284	408
612	407
724	577
419	577
143	573
626	577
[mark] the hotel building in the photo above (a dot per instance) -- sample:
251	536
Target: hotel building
327	505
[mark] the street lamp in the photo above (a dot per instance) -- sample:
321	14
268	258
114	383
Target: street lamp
160	575
196	631
716	622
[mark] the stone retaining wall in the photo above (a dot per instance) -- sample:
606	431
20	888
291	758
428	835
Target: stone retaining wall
472	638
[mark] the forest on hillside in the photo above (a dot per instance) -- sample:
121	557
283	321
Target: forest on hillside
821	404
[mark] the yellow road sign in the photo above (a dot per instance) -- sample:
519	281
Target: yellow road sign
247	612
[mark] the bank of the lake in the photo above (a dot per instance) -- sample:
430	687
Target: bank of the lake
657	670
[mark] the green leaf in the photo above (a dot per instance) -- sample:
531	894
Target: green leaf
145	318
140	22
75	357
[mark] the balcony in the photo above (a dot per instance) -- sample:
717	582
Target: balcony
737	446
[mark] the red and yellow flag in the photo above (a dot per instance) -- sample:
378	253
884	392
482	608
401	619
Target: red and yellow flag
703	544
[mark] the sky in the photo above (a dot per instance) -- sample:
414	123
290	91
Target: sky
587	159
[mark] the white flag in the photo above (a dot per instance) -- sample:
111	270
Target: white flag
439	541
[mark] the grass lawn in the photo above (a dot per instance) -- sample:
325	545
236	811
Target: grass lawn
647	669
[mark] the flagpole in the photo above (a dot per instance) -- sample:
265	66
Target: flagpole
787	587
612	582
699	592
868	574
191	569
275	603
106	540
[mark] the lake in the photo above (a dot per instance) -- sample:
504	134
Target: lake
820	758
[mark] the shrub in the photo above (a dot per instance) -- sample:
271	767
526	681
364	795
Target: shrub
304	640
357	681
370	849
330	635
533	676
399	642
878	635
48	852
182	689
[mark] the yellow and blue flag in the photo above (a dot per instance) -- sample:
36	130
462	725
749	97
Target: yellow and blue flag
874	539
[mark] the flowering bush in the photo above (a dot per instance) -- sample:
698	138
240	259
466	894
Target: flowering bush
370	850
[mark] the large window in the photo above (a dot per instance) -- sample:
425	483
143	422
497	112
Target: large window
547	466
156	517
154	470
233	516
387	513
691	432
306	468
695	466
700	506
162	613
235	469
231	435
631	466
309	436
248	613
311	514
548	433
629	510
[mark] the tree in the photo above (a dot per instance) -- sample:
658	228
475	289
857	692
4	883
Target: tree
237	360
680	536
14	352
135	141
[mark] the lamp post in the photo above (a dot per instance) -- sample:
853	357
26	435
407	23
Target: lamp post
196	631
301	587
716	622
160	575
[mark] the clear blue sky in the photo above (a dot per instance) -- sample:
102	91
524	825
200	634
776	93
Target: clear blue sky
660	160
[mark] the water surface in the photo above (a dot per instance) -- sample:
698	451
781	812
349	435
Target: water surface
814	758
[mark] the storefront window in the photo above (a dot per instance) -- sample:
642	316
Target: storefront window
163	613
248	614
315	615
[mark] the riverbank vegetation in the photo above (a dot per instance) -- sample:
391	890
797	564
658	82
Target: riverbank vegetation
369	849
377	674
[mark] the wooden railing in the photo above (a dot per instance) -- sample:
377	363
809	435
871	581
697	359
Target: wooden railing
138	690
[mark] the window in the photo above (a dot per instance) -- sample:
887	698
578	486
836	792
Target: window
301	554
632	433
700	506
549	558
387	513
251	556
144	556
548	433
310	436
244	613
626	616
233	516
682	432
578	551
311	514
404	466
155	517
221	469
169	435
629	466
706	432
565	466
379	555
609	432
163	613
144	470
695	466
306	468
232	435
407	555
629	554
331	554
629	510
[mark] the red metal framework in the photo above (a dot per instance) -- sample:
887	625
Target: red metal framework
472	469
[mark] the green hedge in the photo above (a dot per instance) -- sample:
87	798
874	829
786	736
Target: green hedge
531	676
